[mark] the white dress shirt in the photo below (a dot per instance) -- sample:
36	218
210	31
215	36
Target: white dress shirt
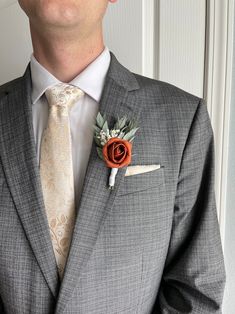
82	115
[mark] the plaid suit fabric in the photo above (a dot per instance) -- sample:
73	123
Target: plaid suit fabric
151	245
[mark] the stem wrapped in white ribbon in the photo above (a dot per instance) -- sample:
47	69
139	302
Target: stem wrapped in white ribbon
112	178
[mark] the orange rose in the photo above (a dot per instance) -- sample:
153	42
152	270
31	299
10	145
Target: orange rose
117	153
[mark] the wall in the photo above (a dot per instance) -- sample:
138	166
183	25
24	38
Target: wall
123	33
15	43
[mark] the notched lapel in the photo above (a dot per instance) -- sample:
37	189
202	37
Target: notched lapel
97	199
19	160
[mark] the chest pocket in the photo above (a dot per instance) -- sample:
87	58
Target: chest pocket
142	181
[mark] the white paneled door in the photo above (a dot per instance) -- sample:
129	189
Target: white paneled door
181	43
164	39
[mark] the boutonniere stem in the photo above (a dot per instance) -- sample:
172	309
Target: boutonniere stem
112	177
114	146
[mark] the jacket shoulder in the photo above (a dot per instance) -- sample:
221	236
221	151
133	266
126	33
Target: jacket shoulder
167	92
9	86
171	103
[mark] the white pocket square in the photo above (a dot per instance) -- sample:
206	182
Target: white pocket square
132	170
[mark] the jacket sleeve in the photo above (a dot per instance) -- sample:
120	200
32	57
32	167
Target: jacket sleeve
194	275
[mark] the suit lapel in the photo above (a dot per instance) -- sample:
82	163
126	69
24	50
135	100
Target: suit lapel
97	199
18	154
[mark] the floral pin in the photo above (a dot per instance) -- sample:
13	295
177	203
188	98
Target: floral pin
114	146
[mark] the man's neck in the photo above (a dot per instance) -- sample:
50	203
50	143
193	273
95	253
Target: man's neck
65	57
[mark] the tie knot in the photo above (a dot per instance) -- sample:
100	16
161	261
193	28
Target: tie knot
63	95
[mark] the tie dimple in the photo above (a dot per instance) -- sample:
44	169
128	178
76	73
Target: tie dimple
56	170
63	95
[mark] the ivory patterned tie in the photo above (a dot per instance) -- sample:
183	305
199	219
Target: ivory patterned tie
56	170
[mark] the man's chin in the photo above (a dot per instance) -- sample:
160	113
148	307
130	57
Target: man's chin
54	22
54	12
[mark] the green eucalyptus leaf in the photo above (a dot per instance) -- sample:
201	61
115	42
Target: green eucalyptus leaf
116	125
131	139
132	125
130	134
125	129
96	128
105	126
100	153
121	134
98	142
99	120
122	122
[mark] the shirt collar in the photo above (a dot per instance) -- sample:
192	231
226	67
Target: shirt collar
90	80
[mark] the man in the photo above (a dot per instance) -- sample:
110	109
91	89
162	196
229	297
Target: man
68	243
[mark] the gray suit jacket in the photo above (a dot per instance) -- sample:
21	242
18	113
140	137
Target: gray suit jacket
151	245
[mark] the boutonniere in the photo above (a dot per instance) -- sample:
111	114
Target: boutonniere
114	146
